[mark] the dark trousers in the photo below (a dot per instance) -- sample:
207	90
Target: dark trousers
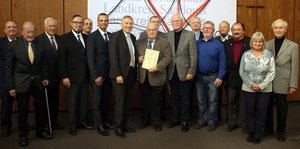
236	106
256	111
123	95
152	97
39	106
53	98
6	107
101	97
282	108
77	103
180	98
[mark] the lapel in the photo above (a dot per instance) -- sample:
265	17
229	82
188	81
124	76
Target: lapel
171	39
283	47
74	39
243	49
231	53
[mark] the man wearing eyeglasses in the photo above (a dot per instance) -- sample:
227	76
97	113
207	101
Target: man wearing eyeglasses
73	70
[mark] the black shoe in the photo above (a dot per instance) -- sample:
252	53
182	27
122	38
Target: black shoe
108	125
73	131
43	135
184	127
250	138
143	125
172	124
281	137
157	127
6	132
231	128
126	128
256	140
86	126
120	133
102	131
23	141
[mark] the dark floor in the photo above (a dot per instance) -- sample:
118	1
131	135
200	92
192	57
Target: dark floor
149	139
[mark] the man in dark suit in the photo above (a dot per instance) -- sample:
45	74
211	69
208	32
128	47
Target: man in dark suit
26	75
181	71
11	30
73	70
234	49
123	66
87	26
98	61
157	21
152	80
51	41
224	28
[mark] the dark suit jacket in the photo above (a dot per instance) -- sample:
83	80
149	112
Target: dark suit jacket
233	78
3	50
119	55
97	55
201	35
72	60
51	57
19	71
157	78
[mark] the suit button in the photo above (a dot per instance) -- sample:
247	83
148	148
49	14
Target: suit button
31	77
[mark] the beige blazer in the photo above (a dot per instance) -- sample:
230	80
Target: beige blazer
286	66
186	55
157	78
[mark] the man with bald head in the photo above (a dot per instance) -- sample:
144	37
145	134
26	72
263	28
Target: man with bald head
51	41
26	75
181	71
11	30
87	26
152	80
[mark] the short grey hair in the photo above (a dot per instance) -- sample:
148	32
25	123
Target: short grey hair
285	24
47	19
226	23
258	35
211	23
27	23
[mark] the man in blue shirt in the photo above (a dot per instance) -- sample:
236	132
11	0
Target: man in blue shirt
211	69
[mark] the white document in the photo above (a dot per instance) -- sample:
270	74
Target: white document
150	58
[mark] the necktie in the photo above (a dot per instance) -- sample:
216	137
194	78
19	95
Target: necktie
30	53
78	36
131	48
106	39
53	44
149	46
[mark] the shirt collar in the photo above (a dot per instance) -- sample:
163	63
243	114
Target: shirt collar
102	33
76	34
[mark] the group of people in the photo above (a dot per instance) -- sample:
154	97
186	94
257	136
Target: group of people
254	73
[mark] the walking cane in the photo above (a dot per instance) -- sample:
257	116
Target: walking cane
47	103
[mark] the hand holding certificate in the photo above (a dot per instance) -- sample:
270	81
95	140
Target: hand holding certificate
150	59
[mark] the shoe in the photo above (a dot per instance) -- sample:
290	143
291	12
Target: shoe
211	127
6	132
268	132
120	133
73	131
108	125
43	135
281	137
250	138
58	126
256	140
172	124
126	128
199	125
102	131
23	141
86	126
184	127
143	125
231	128
157	127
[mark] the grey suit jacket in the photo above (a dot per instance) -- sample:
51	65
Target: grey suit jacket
157	78
186	55
286	66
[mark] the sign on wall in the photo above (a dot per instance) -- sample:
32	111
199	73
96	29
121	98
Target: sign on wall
141	10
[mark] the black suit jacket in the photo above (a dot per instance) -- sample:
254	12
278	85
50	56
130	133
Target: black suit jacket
233	78
72	60
97	55
19	71
3	49
119	55
51	57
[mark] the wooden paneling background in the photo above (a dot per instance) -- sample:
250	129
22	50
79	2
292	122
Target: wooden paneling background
257	15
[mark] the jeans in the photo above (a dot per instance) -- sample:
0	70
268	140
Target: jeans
207	95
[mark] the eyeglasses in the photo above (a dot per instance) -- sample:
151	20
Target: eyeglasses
77	22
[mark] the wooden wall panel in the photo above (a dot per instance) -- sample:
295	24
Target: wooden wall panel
71	8
5	11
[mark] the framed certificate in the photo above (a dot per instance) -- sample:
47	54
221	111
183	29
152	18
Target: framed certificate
150	59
